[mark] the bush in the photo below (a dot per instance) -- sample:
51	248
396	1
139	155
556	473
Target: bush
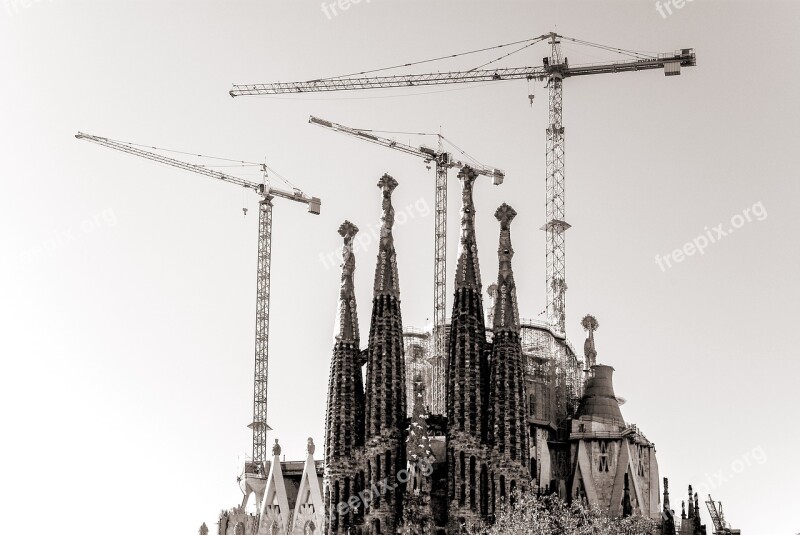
549	515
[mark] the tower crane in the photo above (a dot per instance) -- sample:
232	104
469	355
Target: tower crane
255	478
720	526
554	69
443	161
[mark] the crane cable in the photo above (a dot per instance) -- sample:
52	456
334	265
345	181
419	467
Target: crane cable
241	163
432	59
538	40
463	152
632	53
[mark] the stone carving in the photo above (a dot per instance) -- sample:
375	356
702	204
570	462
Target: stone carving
590	324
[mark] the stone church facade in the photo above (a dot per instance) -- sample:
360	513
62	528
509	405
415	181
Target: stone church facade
520	412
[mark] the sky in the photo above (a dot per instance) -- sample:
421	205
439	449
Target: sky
128	288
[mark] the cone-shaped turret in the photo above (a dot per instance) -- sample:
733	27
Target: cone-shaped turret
467	375
344	424
507	418
599	400
385	427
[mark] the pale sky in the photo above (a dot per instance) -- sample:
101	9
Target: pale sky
128	288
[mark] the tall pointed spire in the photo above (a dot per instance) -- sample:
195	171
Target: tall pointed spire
467	376
344	423
468	273
385	428
386	280
507	418
506	309
347	318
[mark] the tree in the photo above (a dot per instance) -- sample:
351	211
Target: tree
549	515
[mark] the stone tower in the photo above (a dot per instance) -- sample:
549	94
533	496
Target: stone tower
507	415
343	431
467	375
385	423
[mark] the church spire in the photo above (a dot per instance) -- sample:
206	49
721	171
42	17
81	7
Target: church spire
467	376
344	423
386	280
506	310
507	425
347	318
468	274
385	425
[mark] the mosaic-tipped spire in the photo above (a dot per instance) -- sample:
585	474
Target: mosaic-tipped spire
467	375
385	419
468	274
386	280
507	425
344	420
506	310
347	318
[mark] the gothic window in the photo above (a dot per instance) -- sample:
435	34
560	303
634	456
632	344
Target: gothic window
603	466
484	489
532	405
472	481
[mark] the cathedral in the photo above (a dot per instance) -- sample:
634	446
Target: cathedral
517	410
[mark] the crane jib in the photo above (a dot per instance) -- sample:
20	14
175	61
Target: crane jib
685	58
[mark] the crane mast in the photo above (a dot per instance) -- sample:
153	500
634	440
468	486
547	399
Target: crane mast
555	226
443	161
554	70
254	470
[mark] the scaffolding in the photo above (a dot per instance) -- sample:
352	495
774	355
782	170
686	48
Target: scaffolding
548	359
